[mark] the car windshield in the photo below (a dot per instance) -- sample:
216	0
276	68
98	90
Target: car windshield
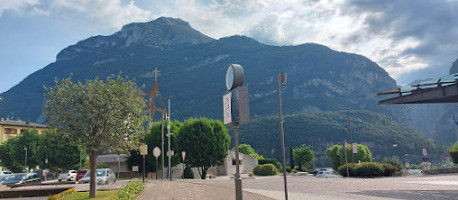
2	178
64	172
100	172
16	177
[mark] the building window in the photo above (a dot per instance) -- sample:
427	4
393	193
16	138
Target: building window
233	162
10	131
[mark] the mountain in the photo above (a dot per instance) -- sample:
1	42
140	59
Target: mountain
322	130
454	67
192	71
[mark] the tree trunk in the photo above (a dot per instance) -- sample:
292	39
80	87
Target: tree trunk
93	181
204	173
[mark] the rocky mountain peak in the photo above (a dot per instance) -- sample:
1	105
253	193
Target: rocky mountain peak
454	68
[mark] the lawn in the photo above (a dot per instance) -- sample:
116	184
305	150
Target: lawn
101	195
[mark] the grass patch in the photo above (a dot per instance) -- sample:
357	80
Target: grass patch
101	195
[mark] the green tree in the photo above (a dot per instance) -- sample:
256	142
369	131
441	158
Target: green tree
203	139
246	149
97	113
60	151
336	154
10	157
291	158
154	139
331	153
303	155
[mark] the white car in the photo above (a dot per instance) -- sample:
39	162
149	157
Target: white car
5	172
68	175
327	174
104	176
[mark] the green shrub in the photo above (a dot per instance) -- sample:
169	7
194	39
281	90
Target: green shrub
265	170
369	169
288	169
343	170
294	170
272	161
188	173
393	161
130	191
454	155
389	169
278	166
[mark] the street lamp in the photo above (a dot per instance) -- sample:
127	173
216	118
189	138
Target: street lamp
25	161
281	78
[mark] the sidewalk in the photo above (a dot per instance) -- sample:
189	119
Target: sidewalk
177	190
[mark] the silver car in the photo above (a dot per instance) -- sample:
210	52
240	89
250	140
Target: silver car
104	176
327	174
68	175
3	177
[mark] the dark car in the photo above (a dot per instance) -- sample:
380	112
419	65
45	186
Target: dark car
81	173
44	174
22	178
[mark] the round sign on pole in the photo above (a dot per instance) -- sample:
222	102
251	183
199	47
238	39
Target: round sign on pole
234	76
156	152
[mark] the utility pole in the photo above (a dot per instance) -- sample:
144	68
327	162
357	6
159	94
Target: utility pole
25	162
351	140
162	147
168	141
281	78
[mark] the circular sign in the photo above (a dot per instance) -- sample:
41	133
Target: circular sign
234	76
156	152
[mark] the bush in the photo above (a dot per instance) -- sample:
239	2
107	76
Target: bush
294	170
454	155
278	166
389	169
393	161
130	191
188	173
272	161
288	169
265	170
365	169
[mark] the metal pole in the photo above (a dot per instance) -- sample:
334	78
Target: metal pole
346	162
168	141
183	169
143	168
162	147
237	179
456	130
351	141
282	135
119	166
25	162
157	167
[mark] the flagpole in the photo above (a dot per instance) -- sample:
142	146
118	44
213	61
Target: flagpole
456	130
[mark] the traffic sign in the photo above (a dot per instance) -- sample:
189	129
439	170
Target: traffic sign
170	153
156	152
144	150
183	154
346	144
354	148
425	153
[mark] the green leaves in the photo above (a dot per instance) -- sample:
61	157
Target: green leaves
303	155
109	112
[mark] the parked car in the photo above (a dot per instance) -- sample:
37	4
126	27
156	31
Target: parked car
3	178
44	174
327	174
104	176
22	178
81	173
5	172
67	175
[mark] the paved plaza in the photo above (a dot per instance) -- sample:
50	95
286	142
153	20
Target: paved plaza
310	188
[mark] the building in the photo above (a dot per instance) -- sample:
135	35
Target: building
13	128
247	164
112	160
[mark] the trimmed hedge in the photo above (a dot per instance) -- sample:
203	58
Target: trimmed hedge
454	155
265	170
368	169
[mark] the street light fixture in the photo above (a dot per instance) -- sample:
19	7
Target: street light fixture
281	78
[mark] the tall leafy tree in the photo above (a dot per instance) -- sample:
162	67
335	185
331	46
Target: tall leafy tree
205	141
291	157
13	152
60	151
303	155
332	155
97	113
336	154
248	150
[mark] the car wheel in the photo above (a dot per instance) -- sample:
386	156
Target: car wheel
60	180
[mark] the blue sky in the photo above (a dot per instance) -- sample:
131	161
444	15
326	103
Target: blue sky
410	39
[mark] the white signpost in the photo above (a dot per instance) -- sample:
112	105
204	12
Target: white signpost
227	108
425	153
144	152
183	155
156	153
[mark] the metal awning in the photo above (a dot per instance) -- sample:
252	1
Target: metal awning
442	90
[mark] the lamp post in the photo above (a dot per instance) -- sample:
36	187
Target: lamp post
169	152
281	78
25	161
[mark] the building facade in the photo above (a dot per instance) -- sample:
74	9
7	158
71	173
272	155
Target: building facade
13	128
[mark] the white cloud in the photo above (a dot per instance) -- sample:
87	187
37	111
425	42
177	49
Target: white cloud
15	5
104	12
